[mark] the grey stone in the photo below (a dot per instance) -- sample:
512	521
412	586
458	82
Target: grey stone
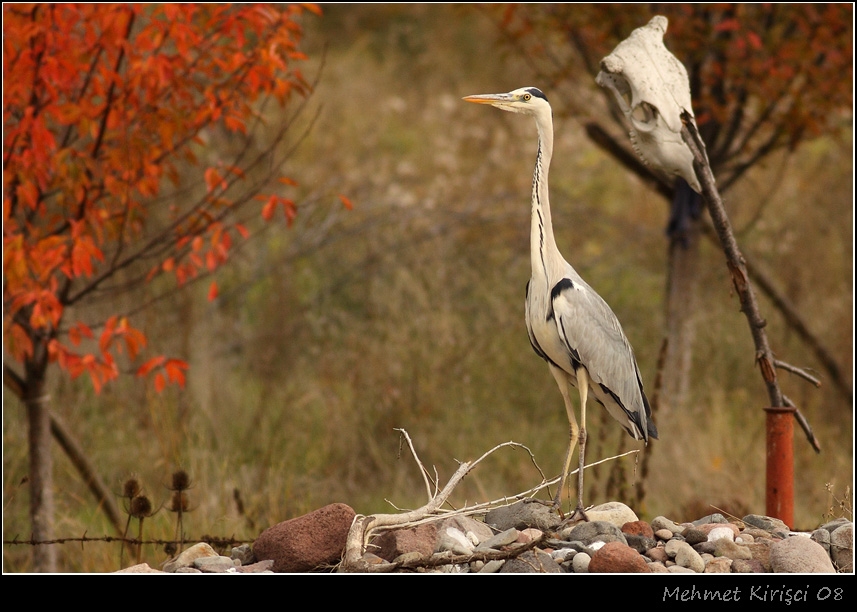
767	523
596	531
243	554
835	524
711	518
799	554
532	562
727	548
685	556
822	537
640	543
661	522
842	547
214	565
692	535
580	563
523	514
492	567
504	538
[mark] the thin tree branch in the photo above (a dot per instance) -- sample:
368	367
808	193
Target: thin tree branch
735	262
797	371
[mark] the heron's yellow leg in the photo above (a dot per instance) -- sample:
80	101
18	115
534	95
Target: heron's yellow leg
583	389
573	430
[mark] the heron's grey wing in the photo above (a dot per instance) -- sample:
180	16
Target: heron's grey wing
593	336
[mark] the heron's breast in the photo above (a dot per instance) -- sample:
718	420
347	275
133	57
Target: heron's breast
545	332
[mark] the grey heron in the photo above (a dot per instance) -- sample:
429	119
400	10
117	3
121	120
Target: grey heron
569	324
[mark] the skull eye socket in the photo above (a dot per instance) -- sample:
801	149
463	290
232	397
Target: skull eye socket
644	113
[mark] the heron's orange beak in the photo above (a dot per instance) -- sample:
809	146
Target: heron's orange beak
487	98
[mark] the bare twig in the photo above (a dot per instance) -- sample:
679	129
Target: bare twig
423	470
797	371
807	429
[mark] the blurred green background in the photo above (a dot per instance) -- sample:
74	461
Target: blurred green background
407	312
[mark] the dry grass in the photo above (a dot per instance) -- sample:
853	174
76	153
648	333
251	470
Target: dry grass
407	312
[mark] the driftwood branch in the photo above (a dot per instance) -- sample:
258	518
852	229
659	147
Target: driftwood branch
737	269
363	527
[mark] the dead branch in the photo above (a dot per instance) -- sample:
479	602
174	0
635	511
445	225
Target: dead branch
797	371
762	280
737	267
363	527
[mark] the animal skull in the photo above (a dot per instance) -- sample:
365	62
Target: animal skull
652	89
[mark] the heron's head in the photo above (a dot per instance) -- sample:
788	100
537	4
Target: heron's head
527	100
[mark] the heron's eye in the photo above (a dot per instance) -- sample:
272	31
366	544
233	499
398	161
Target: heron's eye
526	97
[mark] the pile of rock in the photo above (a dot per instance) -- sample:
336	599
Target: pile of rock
529	536
614	540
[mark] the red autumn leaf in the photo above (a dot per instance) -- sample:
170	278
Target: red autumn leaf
175	369
346	202
150	365
269	207
212	291
160	382
78	331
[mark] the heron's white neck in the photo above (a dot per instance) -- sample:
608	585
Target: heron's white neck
543	249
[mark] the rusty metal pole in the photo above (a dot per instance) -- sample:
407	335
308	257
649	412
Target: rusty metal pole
779	466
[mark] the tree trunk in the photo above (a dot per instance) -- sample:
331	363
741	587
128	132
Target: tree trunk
684	231
681	296
41	462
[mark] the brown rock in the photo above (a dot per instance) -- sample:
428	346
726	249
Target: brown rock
140	568
421	539
720	565
750	566
664	534
615	557
658	554
761	551
638	528
306	543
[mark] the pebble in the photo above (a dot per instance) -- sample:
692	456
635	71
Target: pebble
580	563
684	555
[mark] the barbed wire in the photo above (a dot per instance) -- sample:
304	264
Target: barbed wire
213	540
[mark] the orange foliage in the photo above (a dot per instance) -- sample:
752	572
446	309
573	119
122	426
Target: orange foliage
100	103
